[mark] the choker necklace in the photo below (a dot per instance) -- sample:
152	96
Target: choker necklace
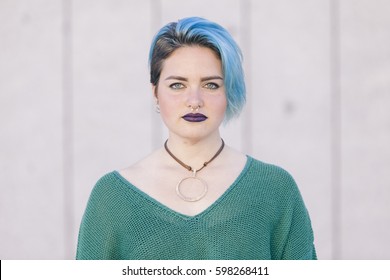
192	181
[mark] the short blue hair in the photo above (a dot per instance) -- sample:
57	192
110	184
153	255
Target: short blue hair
195	31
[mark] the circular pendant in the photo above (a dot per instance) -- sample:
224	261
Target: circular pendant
191	189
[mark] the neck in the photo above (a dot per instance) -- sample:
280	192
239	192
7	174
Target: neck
194	153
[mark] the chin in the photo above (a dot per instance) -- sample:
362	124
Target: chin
197	135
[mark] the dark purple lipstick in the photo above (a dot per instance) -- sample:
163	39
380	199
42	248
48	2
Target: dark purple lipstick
195	117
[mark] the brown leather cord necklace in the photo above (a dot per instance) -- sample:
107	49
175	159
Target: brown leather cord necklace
191	183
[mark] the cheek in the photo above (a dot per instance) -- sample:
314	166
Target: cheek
220	106
163	101
168	108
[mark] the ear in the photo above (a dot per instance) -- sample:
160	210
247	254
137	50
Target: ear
154	90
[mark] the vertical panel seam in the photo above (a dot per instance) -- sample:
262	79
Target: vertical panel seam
67	127
246	24
335	128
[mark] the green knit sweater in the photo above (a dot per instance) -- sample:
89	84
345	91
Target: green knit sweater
260	216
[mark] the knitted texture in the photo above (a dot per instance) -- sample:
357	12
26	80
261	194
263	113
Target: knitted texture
260	216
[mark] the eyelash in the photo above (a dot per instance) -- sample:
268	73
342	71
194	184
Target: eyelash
211	86
176	86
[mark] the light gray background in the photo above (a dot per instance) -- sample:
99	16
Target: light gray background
75	103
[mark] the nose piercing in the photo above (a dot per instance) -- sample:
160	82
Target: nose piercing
196	109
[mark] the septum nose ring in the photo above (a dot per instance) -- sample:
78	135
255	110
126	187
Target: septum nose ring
196	109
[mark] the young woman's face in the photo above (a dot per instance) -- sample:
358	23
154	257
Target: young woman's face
191	92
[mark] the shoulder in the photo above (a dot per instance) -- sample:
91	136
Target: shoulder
109	188
108	180
267	171
105	187
273	179
278	187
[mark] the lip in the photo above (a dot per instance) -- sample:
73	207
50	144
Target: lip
194	117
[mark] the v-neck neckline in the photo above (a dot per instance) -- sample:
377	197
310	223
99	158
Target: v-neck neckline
173	212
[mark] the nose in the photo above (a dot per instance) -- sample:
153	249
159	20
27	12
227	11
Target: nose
194	99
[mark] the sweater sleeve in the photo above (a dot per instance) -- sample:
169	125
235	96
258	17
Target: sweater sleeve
293	235
96	240
300	239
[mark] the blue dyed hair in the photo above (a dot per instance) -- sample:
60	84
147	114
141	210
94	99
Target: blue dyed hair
195	31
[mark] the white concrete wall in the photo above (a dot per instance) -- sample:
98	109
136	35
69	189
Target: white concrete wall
75	103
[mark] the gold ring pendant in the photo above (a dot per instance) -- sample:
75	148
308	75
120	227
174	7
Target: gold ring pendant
191	184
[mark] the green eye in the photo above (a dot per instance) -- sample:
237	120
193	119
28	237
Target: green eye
176	86
211	86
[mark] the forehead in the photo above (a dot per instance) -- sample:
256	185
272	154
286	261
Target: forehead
192	60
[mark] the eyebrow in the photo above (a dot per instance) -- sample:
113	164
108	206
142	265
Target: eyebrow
180	78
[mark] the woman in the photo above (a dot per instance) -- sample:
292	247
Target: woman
196	198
